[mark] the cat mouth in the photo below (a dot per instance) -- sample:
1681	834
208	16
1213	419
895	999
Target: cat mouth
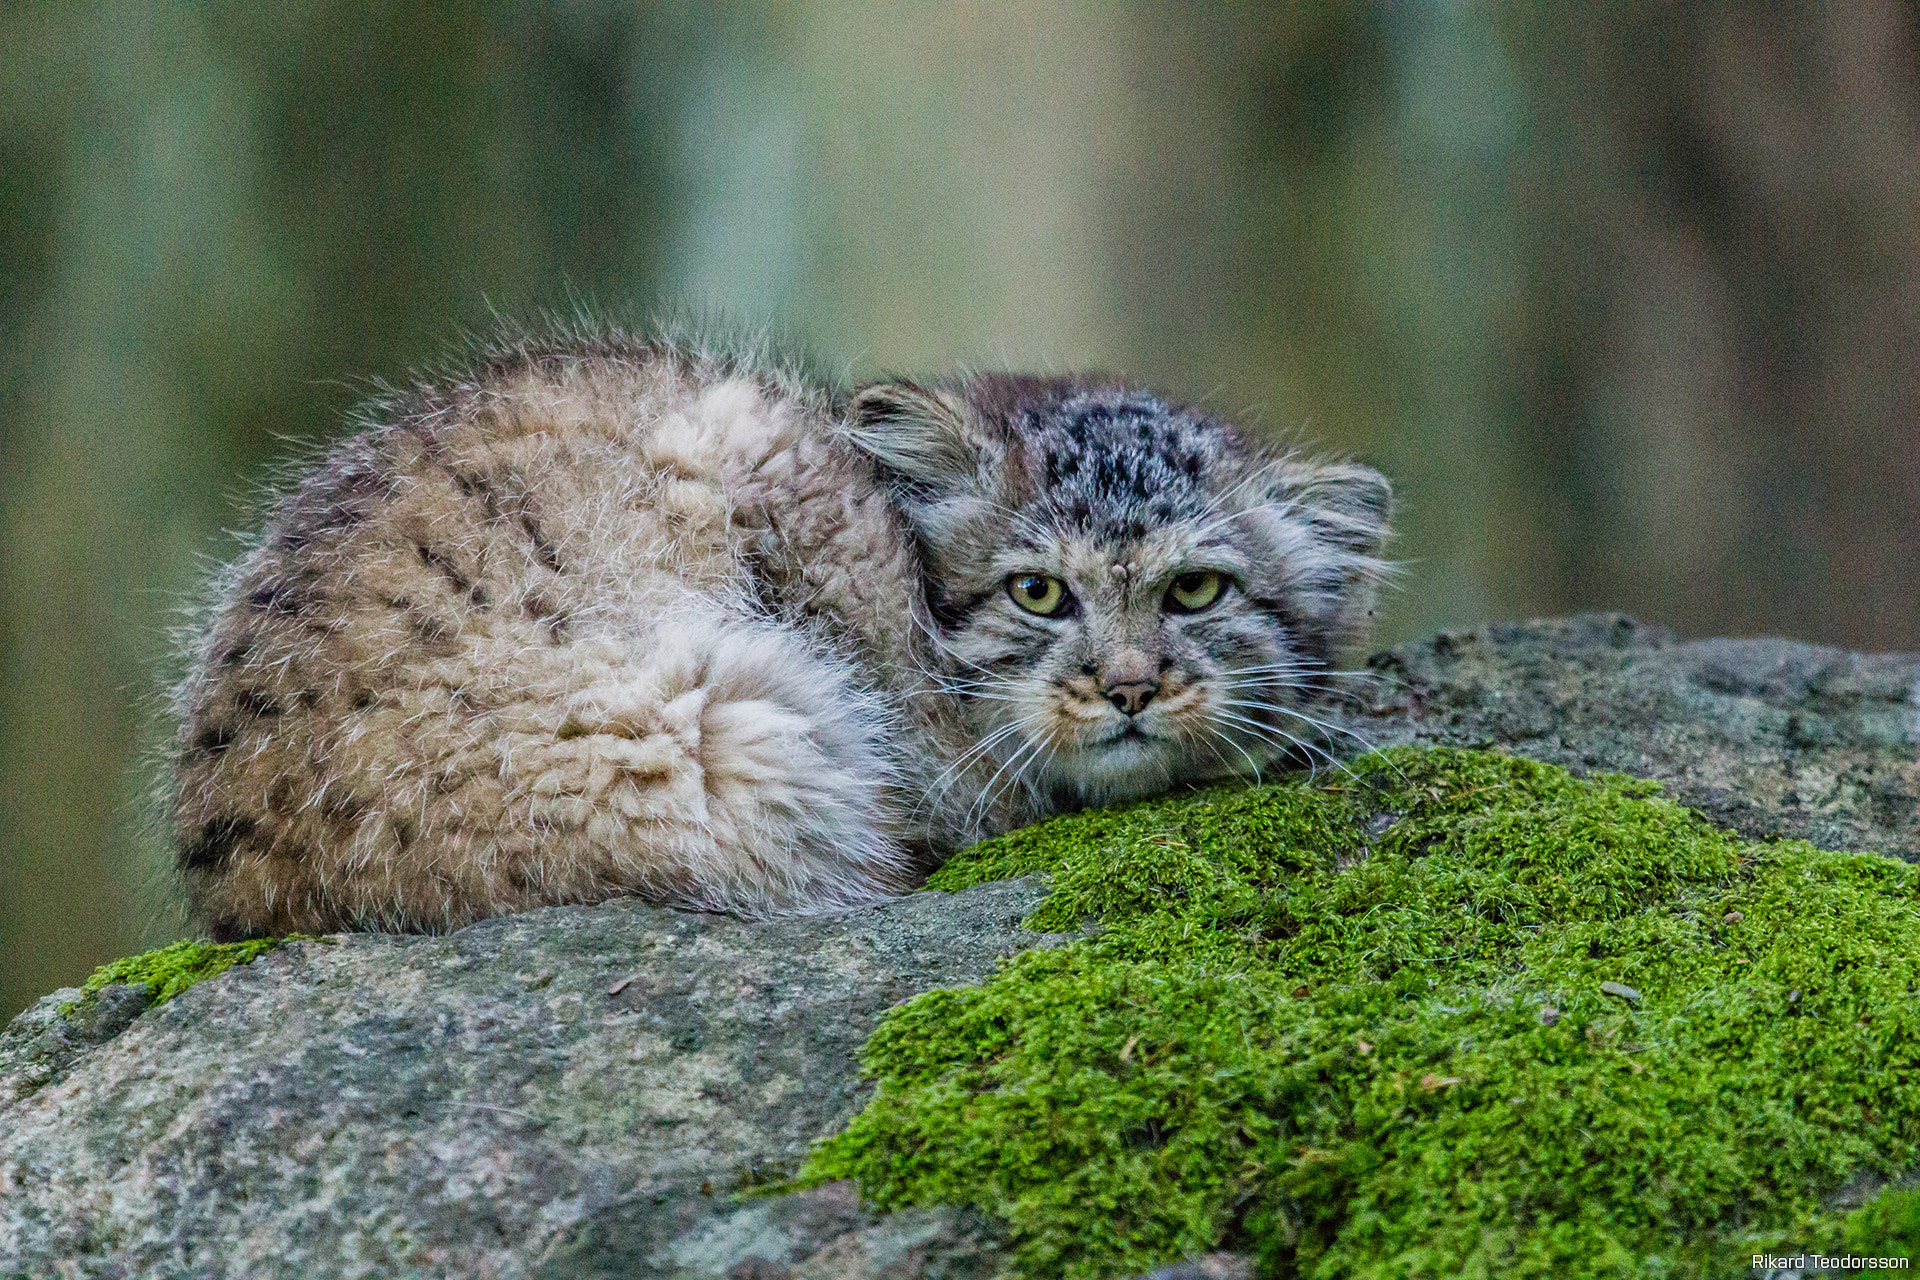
1127	735
1129	761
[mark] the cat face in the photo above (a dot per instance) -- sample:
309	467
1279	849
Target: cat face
1126	594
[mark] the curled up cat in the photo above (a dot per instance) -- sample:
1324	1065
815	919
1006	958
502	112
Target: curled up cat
609	616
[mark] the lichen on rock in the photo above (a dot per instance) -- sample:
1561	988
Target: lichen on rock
1447	1012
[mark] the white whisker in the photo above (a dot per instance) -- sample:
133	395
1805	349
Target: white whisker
1274	733
951	774
983	803
1326	726
1253	766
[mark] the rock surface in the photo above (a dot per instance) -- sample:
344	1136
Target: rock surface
583	1091
1768	737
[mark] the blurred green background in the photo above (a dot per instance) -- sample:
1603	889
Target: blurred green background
1625	297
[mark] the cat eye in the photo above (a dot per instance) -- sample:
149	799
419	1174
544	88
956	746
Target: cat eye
1192	592
1038	593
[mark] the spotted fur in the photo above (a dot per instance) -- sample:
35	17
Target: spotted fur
612	616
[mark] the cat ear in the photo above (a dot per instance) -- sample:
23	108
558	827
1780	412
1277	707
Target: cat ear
919	434
1349	505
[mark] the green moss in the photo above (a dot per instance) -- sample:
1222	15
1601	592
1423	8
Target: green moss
1888	1226
1455	1013
170	970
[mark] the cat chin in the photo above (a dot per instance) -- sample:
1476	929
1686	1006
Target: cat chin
1119	769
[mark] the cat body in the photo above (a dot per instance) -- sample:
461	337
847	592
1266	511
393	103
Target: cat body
608	616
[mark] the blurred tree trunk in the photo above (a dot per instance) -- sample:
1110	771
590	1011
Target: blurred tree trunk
1722	389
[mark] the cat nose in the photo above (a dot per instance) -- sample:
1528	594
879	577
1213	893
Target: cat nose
1132	698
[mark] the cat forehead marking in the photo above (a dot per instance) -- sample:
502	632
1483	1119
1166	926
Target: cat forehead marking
1123	463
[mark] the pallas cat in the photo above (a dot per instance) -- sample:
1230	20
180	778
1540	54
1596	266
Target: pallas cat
607	615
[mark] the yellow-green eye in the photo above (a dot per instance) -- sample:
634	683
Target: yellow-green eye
1038	592
1192	592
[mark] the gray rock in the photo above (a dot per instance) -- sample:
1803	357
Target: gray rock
588	1091
43	1042
1769	737
570	1092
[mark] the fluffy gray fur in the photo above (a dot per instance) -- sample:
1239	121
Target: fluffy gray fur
613	616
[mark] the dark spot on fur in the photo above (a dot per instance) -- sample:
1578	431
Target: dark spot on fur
543	610
344	809
362	699
213	739
346	509
543	551
276	597
256	702
950	612
341	491
234	654
212	847
404	831
477	596
295	537
281	798
481	489
1278	611
434	632
439	561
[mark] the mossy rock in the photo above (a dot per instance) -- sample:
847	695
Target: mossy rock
168	971
1443	1013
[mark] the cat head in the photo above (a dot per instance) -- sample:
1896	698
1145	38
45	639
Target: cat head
1126	593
